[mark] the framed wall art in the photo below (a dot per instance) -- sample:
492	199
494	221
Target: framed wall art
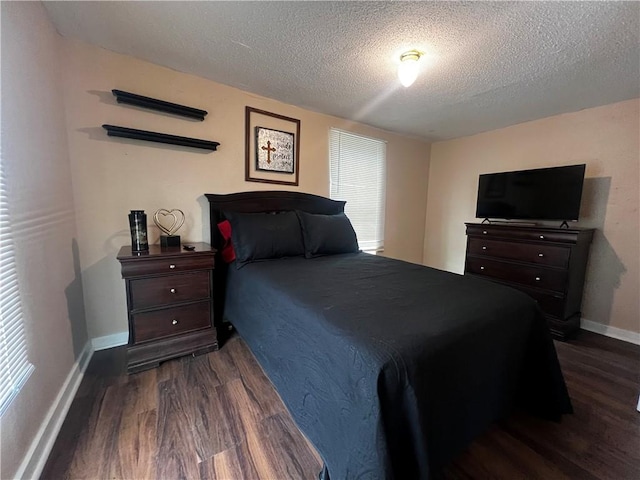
272	148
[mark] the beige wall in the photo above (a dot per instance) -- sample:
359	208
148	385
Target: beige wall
607	140
113	176
36	162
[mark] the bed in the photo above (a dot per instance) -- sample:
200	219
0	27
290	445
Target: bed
389	368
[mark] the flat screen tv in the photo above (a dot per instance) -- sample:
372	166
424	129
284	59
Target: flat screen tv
540	194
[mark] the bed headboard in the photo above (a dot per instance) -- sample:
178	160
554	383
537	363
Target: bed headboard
266	201
254	202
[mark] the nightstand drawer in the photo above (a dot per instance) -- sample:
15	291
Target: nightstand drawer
538	277
552	255
171	321
152	292
166	265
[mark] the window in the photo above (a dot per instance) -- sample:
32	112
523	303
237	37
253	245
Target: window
14	364
357	166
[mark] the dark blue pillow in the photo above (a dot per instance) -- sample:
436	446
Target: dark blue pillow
327	234
260	236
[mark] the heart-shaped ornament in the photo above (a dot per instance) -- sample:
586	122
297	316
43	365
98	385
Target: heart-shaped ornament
163	217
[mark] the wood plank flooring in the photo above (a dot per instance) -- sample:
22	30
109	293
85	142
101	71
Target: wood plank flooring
217	417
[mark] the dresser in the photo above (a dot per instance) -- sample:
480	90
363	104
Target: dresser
547	263
169	303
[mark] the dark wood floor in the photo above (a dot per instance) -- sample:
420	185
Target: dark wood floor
216	416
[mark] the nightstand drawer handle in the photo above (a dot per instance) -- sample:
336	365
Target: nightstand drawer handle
173	290
481	268
541	254
537	279
174	322
541	237
484	248
172	266
484	232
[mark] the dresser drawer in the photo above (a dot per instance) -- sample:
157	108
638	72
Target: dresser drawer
523	233
166	265
539	277
553	255
171	321
152	292
550	304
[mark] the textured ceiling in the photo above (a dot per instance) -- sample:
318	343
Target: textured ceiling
489	65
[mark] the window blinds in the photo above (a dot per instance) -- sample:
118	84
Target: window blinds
14	364
358	166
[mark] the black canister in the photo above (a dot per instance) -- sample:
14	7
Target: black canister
138	225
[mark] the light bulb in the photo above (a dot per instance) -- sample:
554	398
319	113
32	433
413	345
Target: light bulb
408	68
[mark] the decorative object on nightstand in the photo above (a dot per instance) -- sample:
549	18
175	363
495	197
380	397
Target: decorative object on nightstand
547	263
138	227
169	303
176	219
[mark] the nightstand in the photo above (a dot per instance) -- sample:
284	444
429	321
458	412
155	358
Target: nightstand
169	303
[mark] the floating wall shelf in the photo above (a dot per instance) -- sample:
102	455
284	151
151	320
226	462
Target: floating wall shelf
159	105
115	131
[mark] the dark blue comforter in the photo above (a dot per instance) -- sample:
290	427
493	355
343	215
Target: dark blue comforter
391	368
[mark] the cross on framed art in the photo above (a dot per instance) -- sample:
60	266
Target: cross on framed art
272	147
269	150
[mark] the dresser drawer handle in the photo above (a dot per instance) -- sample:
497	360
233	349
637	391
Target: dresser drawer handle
484	248
173	290
172	266
174	322
484	232
541	255
541	237
537	279
481	268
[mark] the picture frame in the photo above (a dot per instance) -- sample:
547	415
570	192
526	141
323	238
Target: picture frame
275	150
272	148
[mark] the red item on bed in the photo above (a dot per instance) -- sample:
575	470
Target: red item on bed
228	254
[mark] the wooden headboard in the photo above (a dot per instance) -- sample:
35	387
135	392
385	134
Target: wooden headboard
255	202
266	201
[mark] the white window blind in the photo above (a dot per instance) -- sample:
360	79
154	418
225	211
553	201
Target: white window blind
358	168
14	364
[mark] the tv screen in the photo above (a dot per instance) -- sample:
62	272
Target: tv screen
540	194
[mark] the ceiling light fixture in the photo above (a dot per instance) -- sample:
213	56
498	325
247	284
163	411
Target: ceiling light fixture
408	68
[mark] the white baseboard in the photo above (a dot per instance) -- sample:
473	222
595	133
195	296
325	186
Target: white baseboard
110	341
613	332
38	453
